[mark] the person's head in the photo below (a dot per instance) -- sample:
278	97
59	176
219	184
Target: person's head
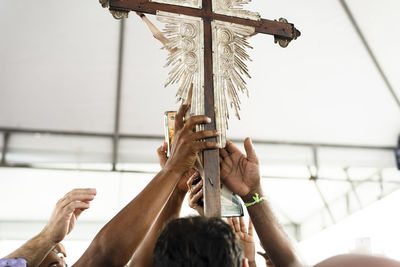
55	258
197	242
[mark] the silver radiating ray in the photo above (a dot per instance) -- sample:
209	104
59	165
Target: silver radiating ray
186	46
229	56
234	8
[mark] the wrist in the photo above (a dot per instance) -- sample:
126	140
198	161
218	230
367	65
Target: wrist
256	190
44	238
171	170
179	192
47	237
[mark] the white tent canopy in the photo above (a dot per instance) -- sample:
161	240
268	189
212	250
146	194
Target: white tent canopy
326	107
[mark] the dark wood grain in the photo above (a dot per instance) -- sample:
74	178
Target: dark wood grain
280	29
212	187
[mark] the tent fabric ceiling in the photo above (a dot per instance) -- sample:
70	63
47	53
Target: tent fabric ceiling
59	71
322	88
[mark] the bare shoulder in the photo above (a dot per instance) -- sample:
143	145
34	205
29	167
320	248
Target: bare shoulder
352	260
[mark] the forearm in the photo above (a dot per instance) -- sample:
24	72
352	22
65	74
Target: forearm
273	238
143	256
118	239
34	250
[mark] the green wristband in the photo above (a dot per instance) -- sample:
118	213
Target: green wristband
256	198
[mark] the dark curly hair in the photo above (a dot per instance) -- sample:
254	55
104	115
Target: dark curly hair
197	242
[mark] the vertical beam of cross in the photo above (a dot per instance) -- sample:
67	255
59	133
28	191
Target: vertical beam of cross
282	31
212	195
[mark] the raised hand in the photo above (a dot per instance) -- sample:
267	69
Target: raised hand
196	193
239	172
182	185
187	143
162	154
66	213
245	236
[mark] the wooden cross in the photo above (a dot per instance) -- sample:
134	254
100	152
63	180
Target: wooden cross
282	31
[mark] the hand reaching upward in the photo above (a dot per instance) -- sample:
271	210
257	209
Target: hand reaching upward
239	172
187	143
182	185
66	213
245	235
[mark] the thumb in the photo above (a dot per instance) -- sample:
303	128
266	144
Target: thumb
162	154
250	152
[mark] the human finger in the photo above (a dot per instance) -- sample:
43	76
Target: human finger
78	197
162	154
197	187
86	194
226	159
194	120
251	228
236	224
242	225
231	148
194	198
192	173
180	115
221	162
199	146
223	153
188	178
197	196
250	152
78	212
229	221
205	134
190	181
61	249
71	207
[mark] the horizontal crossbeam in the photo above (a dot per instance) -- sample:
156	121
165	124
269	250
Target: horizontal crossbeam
276	28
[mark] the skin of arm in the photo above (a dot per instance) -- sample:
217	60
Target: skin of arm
352	260
61	223
116	242
34	250
240	173
267	260
144	254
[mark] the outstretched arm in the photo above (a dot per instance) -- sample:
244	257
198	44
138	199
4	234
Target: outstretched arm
143	256
62	221
118	240
240	173
154	30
